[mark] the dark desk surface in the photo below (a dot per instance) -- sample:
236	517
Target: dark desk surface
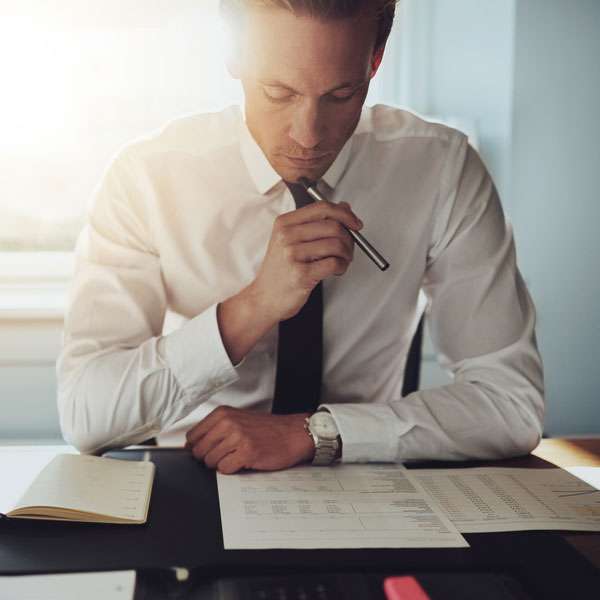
184	529
564	452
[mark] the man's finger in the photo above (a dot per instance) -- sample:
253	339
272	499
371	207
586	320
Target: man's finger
210	440
311	251
317	230
324	267
204	426
232	463
321	210
219	452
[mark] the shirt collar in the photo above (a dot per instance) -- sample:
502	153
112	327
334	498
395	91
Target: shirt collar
264	175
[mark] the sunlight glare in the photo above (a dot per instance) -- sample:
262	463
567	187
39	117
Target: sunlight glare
37	90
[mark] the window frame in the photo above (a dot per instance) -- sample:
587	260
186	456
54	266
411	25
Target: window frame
34	285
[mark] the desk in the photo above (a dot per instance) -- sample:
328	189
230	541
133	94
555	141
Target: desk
575	453
184	529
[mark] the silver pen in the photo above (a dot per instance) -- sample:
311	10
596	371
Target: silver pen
360	240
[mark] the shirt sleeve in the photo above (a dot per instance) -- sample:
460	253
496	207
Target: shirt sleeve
119	381
482	324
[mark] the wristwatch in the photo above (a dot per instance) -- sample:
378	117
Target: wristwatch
322	429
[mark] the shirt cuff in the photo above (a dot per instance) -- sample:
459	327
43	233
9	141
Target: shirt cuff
370	433
197	356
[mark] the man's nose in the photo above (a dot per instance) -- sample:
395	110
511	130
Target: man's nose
307	126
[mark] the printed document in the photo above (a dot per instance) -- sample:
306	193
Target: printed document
502	499
110	585
342	506
590	475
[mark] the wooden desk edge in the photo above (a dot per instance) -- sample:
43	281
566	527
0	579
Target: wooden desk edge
570	452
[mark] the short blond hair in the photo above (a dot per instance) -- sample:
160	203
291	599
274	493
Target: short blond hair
231	10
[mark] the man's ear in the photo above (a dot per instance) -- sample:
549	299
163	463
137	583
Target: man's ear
376	60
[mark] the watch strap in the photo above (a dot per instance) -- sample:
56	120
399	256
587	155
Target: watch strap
327	450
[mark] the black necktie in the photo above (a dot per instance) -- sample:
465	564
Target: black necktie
300	347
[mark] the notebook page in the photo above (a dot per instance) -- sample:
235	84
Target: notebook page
105	486
19	466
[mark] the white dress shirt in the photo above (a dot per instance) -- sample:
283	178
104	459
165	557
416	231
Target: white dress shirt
181	222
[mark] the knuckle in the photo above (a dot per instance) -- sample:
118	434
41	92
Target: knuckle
337	229
228	422
329	264
220	411
227	468
340	266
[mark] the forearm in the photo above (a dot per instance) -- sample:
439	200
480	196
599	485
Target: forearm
487	423
242	323
411	429
118	396
492	410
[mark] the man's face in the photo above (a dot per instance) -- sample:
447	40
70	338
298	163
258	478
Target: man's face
305	81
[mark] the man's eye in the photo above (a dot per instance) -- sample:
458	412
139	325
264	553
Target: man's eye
278	96
343	98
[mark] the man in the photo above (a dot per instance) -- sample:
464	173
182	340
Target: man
200	219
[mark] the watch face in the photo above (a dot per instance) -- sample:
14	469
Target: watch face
322	424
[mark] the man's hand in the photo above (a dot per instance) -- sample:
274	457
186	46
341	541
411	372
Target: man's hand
307	245
230	439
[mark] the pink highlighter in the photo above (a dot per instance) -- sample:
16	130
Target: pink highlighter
403	588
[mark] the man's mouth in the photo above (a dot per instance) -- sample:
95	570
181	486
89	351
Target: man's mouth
311	160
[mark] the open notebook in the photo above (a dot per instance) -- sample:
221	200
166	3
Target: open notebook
91	489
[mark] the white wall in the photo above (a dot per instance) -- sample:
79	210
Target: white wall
556	163
458	60
528	73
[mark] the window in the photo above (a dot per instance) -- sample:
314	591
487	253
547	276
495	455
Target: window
80	79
